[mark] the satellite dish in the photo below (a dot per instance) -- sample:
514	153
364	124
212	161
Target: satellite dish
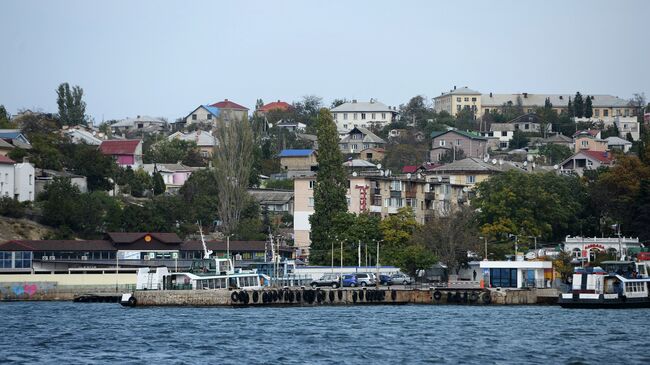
388	172
439	178
500	161
381	172
494	161
408	176
419	176
355	174
533	165
379	166
525	163
486	159
556	167
466	189
530	158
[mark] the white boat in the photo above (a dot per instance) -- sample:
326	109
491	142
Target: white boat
619	284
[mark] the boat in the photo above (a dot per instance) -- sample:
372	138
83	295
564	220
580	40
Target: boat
617	284
208	273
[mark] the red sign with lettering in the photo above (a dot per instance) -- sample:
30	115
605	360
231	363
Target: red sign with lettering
363	200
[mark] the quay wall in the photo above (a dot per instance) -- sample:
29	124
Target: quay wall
62	286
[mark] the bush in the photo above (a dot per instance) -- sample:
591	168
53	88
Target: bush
10	207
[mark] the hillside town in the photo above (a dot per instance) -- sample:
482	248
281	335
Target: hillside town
449	181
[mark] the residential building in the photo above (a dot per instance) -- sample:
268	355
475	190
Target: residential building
585	248
359	139
586	160
205	114
16	179
231	111
173	174
372	154
454	140
15	137
628	126
273	106
274	200
141	123
617	143
291	126
78	136
205	141
459	99
589	140
5	147
501	134
44	177
353	114
126	152
298	160
558	139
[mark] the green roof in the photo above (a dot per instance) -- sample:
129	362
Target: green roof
462	133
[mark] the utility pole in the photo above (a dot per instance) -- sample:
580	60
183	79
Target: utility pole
359	255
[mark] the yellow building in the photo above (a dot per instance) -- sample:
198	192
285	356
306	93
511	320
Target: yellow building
458	99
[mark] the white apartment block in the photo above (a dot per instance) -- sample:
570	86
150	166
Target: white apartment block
16	179
347	116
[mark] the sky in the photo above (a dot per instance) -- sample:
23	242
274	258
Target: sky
164	58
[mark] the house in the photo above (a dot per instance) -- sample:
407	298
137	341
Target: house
363	114
298	160
589	140
358	139
309	138
173	174
44	177
230	110
585	249
141	123
530	123
15	137
372	154
126	152
454	140
203	114
273	106
16	179
501	134
78	136
616	143
291	125
204	140
628	126
274	200
586	160
5	147
558	139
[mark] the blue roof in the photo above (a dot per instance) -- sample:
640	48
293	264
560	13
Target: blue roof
212	109
10	135
295	153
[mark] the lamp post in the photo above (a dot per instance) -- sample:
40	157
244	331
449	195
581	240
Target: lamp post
377	264
486	253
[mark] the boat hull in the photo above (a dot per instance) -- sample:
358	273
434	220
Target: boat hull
601	303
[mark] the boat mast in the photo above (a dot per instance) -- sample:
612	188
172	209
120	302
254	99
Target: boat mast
206	252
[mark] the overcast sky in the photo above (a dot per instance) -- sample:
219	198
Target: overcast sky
164	58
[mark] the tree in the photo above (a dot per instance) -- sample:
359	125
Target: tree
416	112
330	189
88	161
519	140
570	109
337	102
641	222
72	109
547	104
233	158
158	183
578	106
589	110
415	257
555	153
5	119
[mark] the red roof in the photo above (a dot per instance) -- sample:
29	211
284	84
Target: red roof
604	157
280	105
6	160
409	169
119	147
227	104
592	132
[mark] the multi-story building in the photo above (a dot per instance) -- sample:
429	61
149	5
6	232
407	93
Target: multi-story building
16	179
472	145
359	139
205	141
225	110
589	140
458	99
230	110
363	114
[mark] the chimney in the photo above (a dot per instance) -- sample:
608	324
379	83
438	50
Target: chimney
354	101
525	95
490	94
454	87
278	100
25	159
561	97
226	99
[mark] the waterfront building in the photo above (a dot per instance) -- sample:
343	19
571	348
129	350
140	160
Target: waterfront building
126	152
517	274
373	114
586	248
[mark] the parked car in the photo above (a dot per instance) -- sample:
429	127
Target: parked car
400	278
333	280
349	280
384	279
365	279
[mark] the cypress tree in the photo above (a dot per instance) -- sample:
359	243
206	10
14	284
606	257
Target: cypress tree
330	189
570	110
589	111
578	106
158	184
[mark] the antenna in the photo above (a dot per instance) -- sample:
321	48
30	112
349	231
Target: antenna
500	161
525	163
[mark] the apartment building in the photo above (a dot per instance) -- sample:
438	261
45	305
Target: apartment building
363	114
456	100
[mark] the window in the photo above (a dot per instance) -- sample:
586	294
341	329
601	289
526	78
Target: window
526	126
458	142
30	179
348	200
458	107
354	116
597	112
366	145
209	116
605	113
311	202
363	116
458	100
474	99
396	185
345	116
5	260
193	116
383	115
505	278
386	202
345	126
487	110
466	99
312	184
470	179
618	112
584	143
373	116
442	143
354	146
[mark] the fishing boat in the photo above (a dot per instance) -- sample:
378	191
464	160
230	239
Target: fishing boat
617	284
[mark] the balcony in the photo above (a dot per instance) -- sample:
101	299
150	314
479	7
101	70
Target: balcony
395	194
411	193
430	196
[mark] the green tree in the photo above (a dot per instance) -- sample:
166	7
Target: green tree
570	109
519	140
555	153
337	102
397	230
415	257
88	161
330	189
578	105
641	223
5	119
589	110
158	183
72	108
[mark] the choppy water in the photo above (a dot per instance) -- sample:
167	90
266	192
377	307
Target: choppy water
56	332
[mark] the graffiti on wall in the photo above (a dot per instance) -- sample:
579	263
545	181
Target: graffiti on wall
24	290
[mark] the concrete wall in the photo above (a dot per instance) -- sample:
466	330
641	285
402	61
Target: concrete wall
62	286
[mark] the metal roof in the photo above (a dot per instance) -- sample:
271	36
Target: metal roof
460	91
295	153
558	100
368	136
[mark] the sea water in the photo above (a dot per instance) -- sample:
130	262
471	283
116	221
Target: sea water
71	333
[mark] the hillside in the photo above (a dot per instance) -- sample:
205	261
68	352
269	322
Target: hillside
12	229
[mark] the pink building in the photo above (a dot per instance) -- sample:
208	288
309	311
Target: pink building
126	152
